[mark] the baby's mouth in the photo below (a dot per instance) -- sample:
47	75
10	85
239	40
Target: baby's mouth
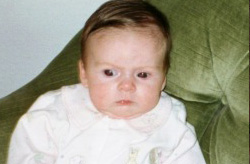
124	102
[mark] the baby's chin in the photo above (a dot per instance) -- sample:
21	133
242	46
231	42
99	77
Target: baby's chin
123	117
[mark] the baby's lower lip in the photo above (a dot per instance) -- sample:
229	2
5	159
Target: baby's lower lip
124	102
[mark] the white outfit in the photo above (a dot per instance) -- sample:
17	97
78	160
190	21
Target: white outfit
64	127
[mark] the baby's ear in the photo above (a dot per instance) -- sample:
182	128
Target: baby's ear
82	74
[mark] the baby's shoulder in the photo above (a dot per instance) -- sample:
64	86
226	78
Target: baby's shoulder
178	109
50	106
47	100
53	100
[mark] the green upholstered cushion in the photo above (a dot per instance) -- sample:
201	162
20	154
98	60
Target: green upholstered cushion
209	73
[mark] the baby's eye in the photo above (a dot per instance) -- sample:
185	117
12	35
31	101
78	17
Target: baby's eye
143	75
109	72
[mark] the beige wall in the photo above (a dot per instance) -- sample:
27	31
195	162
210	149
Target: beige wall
33	32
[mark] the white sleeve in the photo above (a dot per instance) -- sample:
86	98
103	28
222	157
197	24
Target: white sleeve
188	150
193	156
32	141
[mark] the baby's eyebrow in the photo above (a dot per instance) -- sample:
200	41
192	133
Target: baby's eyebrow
102	63
105	64
151	66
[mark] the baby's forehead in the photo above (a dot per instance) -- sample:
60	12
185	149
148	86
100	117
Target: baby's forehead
148	38
150	31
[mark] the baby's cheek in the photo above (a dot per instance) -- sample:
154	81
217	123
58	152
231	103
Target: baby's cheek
100	97
150	99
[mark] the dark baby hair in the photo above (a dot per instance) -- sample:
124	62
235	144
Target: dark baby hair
124	14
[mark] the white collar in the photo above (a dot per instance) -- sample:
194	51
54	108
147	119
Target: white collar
82	112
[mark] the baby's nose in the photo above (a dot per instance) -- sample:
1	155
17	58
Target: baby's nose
127	84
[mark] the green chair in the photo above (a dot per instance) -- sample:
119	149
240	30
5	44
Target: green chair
209	73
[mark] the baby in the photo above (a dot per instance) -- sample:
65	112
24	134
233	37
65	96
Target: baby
118	114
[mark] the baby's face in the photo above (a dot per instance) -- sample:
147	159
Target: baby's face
124	71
